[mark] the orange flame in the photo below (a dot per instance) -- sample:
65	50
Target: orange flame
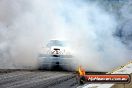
81	71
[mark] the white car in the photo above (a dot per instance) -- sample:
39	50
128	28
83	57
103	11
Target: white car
57	56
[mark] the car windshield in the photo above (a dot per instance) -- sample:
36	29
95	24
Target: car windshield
55	43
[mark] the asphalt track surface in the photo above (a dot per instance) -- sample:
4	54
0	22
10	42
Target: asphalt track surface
38	79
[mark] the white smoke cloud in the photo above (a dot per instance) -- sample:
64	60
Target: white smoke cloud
27	24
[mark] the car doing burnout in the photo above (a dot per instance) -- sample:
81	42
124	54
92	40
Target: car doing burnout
56	54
